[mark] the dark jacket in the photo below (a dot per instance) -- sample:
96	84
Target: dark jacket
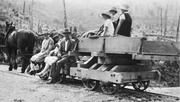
70	47
125	28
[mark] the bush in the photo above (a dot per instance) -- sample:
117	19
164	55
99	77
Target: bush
169	72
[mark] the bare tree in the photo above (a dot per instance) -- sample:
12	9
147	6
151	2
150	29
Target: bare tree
65	17
31	23
166	20
24	7
177	34
161	20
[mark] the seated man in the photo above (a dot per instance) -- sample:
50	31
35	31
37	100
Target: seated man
46	47
66	45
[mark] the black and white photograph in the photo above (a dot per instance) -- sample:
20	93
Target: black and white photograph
89	50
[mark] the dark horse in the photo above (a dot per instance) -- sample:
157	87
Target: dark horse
21	42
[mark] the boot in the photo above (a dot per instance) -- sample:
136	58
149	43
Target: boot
52	81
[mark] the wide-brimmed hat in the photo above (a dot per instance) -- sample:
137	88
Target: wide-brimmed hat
60	34
56	35
124	7
113	9
105	13
66	31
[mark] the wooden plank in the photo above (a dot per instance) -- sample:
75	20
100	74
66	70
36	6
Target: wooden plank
98	54
90	45
130	68
96	75
105	67
158	48
113	77
147	75
95	66
122	45
156	57
177	45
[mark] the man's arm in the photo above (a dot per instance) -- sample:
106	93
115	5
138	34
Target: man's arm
72	48
105	30
119	26
121	20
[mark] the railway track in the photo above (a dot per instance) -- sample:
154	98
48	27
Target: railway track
23	84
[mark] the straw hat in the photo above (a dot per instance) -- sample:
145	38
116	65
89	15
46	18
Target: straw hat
105	13
124	7
113	9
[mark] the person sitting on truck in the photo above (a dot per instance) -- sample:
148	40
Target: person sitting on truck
124	22
108	28
52	57
115	17
66	46
46	47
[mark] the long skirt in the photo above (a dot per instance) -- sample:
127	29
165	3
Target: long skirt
39	57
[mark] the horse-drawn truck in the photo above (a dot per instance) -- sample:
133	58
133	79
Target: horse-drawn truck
116	62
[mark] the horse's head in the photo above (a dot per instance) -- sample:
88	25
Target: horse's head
9	27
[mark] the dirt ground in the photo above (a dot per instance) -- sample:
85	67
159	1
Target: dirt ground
18	87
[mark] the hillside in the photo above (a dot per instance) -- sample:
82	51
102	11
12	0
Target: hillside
84	14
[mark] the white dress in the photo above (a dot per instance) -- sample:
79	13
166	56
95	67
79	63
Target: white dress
44	50
51	59
110	31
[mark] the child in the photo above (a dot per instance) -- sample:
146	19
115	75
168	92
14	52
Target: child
108	29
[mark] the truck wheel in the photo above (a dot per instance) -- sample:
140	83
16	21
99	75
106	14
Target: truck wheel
141	86
90	84
109	88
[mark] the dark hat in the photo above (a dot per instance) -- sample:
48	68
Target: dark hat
66	31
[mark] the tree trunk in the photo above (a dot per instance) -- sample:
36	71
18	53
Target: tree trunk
166	19
158	18
24	7
177	35
65	18
175	17
161	22
31	24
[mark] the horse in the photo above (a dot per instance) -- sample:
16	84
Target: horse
2	41
19	42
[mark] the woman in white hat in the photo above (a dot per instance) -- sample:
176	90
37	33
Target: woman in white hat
115	17
124	22
108	29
